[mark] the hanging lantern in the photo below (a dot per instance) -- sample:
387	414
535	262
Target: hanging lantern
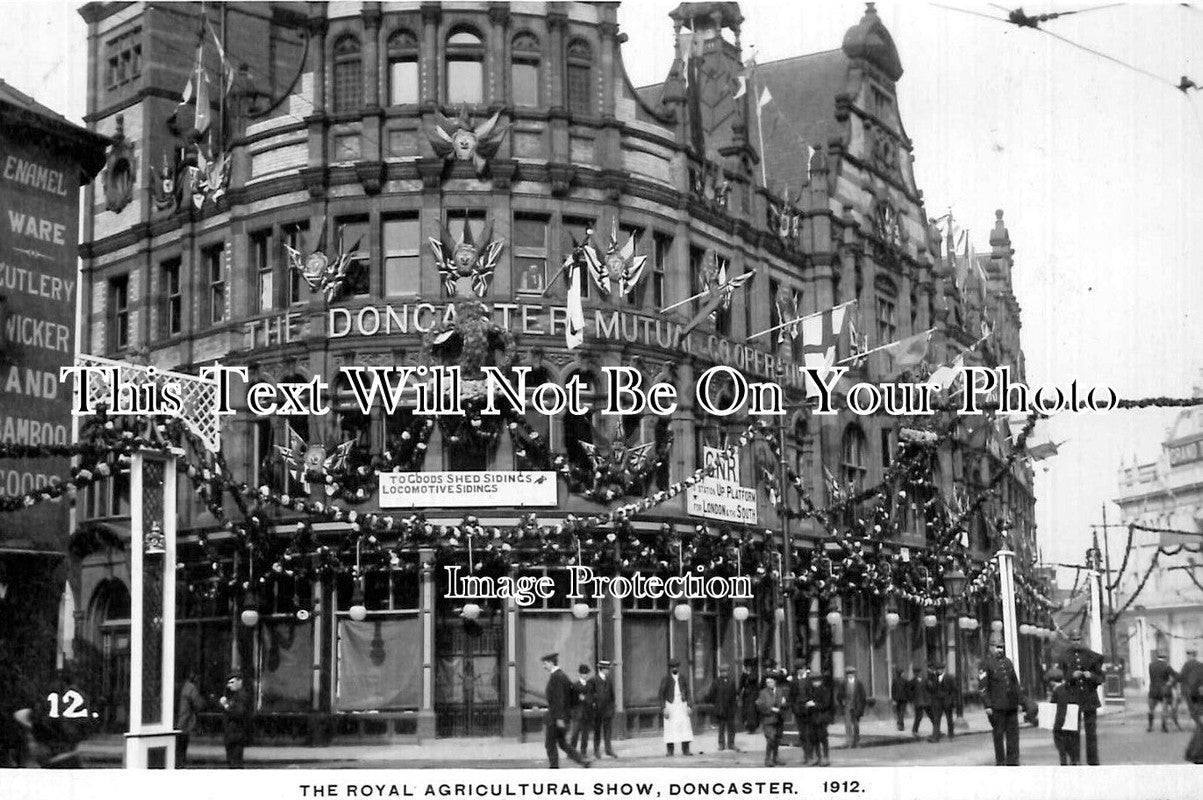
974	624
250	617
358	612
930	620
965	623
471	611
682	612
741	613
996	625
892	619
1025	629
835	619
581	610
303	615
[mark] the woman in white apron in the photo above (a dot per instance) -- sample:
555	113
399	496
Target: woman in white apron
675	699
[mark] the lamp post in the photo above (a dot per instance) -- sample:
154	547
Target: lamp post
954	584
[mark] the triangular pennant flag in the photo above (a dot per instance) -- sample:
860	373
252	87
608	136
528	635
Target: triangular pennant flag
910	351
766	97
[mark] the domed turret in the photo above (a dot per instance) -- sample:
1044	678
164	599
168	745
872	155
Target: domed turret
869	40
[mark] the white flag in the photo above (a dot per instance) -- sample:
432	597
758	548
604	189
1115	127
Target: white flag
574	331
765	99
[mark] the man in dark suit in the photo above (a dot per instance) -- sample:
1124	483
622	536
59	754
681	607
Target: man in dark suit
724	699
1083	671
851	699
559	709
237	720
582	716
920	691
943	693
801	713
749	690
900	695
1000	694
1191	679
1161	688
601	695
817	698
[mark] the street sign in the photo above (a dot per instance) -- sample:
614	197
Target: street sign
719	496
467	489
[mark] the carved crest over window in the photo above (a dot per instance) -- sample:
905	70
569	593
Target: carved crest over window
882	151
120	167
887	227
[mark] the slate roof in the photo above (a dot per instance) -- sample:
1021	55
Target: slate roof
802	111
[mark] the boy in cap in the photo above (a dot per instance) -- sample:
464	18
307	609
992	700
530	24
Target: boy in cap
1067	742
582	711
676	702
559	709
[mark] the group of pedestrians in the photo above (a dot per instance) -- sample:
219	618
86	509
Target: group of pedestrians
933	694
577	710
1168	688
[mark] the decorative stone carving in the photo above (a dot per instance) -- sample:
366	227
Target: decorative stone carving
120	169
457	140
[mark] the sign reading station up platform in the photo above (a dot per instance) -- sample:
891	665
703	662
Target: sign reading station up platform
467	489
719	495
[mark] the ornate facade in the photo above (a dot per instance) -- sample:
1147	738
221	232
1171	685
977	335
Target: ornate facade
434	158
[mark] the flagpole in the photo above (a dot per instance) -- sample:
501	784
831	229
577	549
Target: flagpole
799	319
683	302
764	181
859	356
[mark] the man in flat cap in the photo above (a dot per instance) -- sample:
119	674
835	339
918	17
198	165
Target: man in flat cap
1083	671
850	699
675	701
1191	679
1000	694
237	719
817	697
724	701
559	711
601	696
749	689
1161	688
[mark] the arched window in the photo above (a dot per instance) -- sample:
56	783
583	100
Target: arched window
348	75
853	458
524	69
580	77
402	68
465	67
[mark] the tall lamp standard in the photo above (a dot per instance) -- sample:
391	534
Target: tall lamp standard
954	585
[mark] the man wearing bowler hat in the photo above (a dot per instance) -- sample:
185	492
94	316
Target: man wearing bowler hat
559	710
237	721
772	703
675	701
1083	671
601	696
582	711
942	690
1000	694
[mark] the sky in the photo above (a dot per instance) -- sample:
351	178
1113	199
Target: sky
1098	168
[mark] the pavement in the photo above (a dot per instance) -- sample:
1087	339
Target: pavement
644	750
